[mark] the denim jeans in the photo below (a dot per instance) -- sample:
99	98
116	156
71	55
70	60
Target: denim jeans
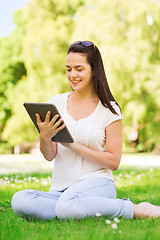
84	198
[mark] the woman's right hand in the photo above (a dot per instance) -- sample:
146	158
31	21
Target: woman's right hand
49	128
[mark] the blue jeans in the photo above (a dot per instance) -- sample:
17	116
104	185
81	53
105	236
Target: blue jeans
84	198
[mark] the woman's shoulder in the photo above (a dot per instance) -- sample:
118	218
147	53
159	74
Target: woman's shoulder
107	115
114	106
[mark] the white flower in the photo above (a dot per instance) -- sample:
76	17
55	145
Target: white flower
114	226
98	214
116	220
44	181
108	221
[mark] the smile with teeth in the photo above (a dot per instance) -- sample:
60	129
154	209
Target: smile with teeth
75	81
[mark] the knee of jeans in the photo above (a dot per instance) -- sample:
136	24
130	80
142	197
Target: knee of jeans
18	202
67	208
15	202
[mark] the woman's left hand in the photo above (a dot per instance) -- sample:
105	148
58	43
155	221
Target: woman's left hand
67	145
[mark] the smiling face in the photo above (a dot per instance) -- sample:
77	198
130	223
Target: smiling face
79	72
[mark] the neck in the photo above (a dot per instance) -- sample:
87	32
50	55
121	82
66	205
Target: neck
83	96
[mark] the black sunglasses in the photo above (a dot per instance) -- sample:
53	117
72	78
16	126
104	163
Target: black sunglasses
83	43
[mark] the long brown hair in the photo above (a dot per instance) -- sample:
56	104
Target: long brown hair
100	80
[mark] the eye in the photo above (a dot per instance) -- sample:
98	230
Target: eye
68	69
79	69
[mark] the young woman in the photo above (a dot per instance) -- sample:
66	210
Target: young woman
82	180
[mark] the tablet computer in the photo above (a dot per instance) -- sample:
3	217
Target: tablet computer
42	109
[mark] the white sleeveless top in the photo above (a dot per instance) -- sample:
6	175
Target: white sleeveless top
70	167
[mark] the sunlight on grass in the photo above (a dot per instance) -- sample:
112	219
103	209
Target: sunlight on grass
17	180
24	163
136	184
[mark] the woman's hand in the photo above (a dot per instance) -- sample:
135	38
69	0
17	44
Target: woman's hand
49	128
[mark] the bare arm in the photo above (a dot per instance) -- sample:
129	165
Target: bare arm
111	157
48	149
48	129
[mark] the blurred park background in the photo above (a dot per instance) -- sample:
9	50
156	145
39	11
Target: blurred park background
32	65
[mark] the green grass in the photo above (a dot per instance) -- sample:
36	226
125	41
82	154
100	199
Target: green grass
138	185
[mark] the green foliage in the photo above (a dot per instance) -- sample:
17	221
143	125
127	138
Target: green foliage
127	33
48	27
11	72
33	62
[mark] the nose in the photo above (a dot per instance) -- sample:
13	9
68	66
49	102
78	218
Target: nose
73	74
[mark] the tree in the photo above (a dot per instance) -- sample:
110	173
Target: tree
127	33
49	25
11	72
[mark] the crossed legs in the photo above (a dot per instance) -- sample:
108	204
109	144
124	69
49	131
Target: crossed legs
84	198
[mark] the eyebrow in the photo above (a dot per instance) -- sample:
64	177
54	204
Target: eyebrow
75	66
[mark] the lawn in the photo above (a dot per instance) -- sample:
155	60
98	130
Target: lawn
136	184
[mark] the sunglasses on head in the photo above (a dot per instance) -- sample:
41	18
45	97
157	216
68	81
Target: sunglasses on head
83	43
